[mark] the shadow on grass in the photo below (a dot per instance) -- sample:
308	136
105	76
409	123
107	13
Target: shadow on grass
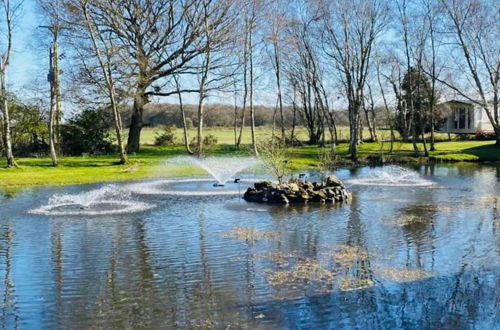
489	152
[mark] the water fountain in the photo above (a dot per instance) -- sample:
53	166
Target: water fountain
221	170
395	176
103	201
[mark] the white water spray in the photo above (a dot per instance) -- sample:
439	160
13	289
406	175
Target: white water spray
222	169
396	176
103	201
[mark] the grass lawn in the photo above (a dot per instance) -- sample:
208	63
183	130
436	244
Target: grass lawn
149	162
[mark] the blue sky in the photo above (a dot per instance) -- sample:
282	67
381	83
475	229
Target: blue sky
26	61
30	60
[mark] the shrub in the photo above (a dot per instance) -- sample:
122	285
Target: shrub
483	135
275	158
29	133
209	142
166	137
327	161
87	132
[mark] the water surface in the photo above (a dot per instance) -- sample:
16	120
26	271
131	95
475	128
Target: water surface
396	257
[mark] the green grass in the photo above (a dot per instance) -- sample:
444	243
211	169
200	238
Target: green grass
149	162
225	135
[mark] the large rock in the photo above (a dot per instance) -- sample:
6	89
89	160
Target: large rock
294	186
332	191
261	185
333	181
254	195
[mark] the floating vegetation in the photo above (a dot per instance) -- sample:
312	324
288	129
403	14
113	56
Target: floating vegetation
346	255
449	208
408	220
304	272
489	200
403	274
250	235
350	283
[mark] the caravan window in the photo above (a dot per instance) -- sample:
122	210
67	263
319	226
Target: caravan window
470	117
461	119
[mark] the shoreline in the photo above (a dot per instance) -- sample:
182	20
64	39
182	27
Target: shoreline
149	163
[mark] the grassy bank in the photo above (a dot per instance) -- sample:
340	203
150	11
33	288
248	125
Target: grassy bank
150	162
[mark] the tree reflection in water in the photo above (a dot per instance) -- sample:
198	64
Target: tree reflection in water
176	267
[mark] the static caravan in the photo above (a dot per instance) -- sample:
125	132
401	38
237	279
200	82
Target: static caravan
464	118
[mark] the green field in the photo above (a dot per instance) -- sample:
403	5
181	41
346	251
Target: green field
225	135
149	162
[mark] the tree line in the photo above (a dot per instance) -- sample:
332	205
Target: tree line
312	60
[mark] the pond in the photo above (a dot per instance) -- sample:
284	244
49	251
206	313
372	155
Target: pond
421	252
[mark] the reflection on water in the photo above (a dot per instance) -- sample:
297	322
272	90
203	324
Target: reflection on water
396	257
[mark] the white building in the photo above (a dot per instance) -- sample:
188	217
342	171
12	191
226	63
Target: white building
464	117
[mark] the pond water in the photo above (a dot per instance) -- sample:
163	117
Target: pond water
407	255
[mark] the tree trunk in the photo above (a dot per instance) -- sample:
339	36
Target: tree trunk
294	119
119	136
432	142
204	77
134	135
57	93
199	138
426	152
252	110
354	130
245	84
183	116
274	123
53	107
6	118
235	107
278	83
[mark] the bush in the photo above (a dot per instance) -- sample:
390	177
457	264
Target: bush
166	137
275	158
483	135
209	142
87	132
29	133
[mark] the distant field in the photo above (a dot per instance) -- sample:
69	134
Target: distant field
225	135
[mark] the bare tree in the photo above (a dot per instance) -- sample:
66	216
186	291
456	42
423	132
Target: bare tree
304	75
249	12
276	21
244	59
183	115
474	26
432	12
402	7
351	29
214	59
52	15
251	28
369	110
159	39
388	112
105	52
9	12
